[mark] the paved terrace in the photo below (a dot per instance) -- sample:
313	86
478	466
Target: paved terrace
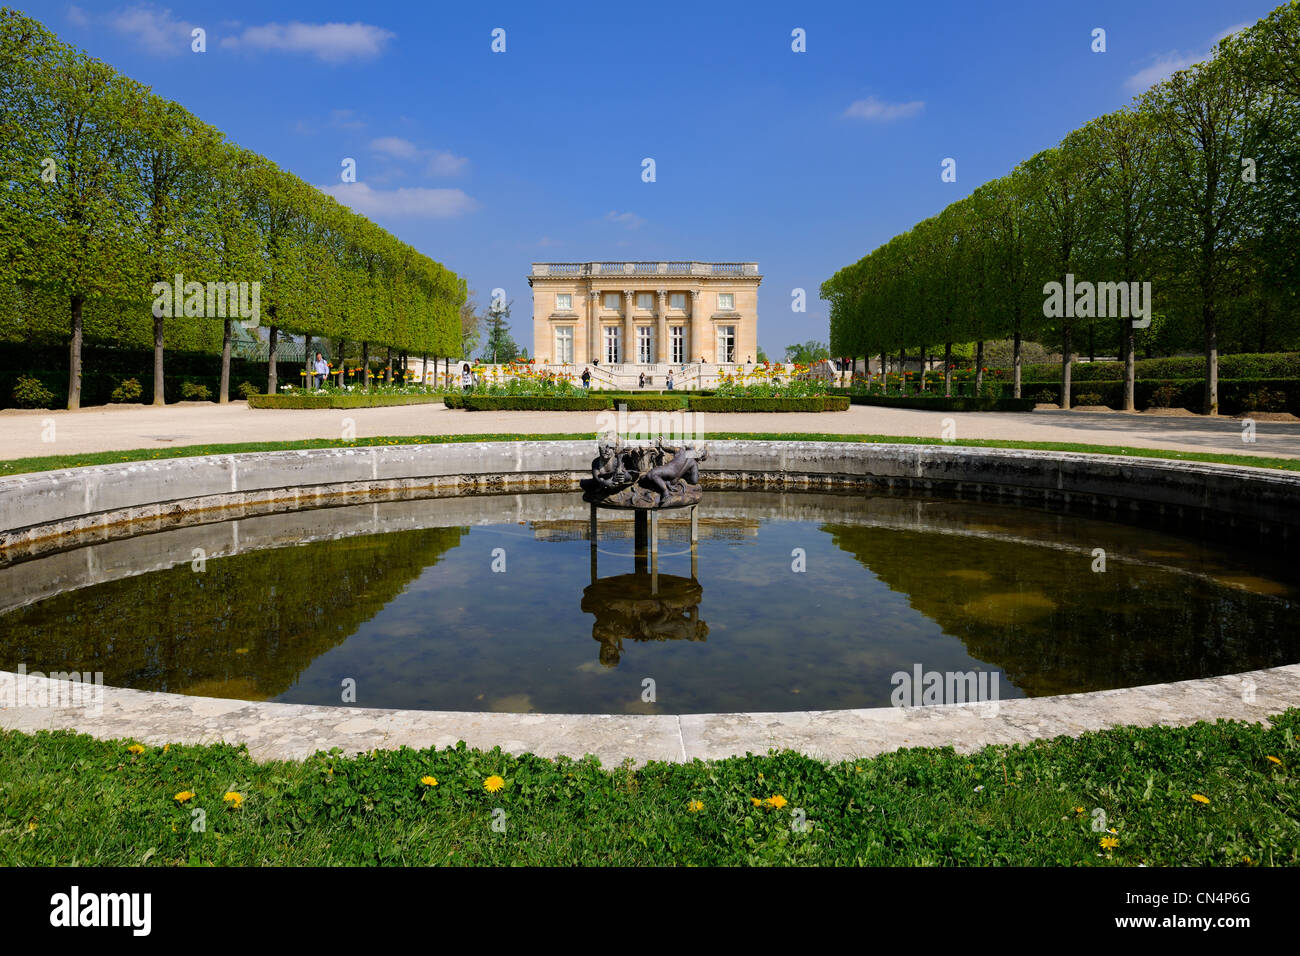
116	428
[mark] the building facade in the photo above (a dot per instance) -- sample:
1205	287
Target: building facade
644	313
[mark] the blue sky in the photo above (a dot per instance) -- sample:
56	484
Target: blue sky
802	161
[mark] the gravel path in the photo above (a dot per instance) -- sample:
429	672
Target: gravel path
28	433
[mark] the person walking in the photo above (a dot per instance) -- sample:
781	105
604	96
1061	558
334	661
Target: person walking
670	380
467	381
586	378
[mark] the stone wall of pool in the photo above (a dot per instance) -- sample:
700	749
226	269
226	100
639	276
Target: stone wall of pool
48	512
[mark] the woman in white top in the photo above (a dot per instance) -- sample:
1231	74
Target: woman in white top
466	377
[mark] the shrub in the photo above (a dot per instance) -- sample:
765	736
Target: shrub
1088	398
30	393
957	403
128	390
813	403
535	403
1265	400
341	400
1164	396
1047	396
195	392
248	389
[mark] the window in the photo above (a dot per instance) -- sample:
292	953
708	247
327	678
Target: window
677	300
726	302
564	302
611	300
564	344
678	338
726	343
612	351
645	344
645	301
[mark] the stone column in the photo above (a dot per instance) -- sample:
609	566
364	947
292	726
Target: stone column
661	328
629	327
593	327
697	338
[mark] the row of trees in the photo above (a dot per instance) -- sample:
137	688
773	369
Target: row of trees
109	189
1194	188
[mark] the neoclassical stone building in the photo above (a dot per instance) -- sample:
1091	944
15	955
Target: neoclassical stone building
644	313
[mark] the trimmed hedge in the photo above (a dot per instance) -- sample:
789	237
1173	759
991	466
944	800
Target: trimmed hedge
814	403
955	404
1189	392
103	369
533	403
339	401
644	403
1264	365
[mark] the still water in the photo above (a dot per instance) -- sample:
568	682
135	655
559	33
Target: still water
796	602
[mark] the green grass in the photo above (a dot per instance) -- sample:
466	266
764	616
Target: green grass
17	466
68	799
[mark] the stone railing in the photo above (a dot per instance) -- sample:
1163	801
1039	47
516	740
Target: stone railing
701	269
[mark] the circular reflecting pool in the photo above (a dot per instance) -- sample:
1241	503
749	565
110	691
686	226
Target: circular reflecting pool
786	602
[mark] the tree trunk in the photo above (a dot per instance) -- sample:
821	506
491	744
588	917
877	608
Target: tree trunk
902	371
271	370
979	367
365	364
947	370
1211	362
223	390
1015	365
74	355
884	373
388	367
1066	378
1128	345
159	396
308	366
424	368
1092	347
338	358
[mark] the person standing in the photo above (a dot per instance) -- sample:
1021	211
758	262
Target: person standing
586	379
467	382
670	380
320	371
640	380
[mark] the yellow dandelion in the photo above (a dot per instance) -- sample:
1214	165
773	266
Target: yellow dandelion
236	800
135	749
755	801
429	781
695	806
1274	760
1078	809
1109	843
183	796
31	826
778	801
166	747
493	783
1200	798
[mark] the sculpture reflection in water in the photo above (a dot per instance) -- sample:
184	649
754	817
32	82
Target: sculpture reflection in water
638	608
644	605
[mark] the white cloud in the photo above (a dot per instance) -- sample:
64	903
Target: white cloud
629	219
437	162
443	163
873	108
329	42
405	203
1161	66
346	119
153	28
77	16
394	146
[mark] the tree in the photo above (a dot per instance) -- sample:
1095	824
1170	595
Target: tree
499	346
807	353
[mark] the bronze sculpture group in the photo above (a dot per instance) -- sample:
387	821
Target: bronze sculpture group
657	476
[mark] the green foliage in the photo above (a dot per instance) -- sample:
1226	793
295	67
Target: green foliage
814	403
196	392
338	399
476	402
1087	398
127	391
30	393
1266	400
248	390
806	353
1027	804
938	403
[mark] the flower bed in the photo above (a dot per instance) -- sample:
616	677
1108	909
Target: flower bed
339	399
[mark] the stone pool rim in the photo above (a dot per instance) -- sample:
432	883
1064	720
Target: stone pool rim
45	511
